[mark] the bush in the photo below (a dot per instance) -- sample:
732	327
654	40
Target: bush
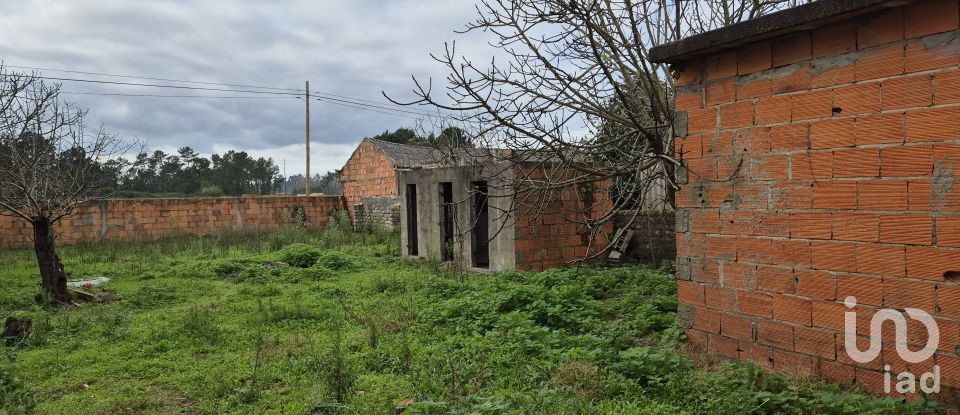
300	255
15	397
211	191
336	260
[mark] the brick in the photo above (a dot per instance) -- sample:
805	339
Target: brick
772	110
739	275
856	163
835	195
718	144
792	309
686	101
752	140
837	372
754	58
900	293
833	71
907	92
906	229
775	279
722	65
702	121
751	88
929	17
866	289
721	92
792	364
791	49
736	115
690	293
775	167
906	161
834	39
810	225
791	78
948	230
936	124
789	137
692	74
736	327
948	301
834	256
775	334
815	342
688	147
828	314
931	263
815	284
881	28
812	105
882	195
722	299
832	134
755	304
858	99
706	320
947	87
813	165
761	355
862	227
879	129
722	247
880	62
724	347
932	52
881	259
949	369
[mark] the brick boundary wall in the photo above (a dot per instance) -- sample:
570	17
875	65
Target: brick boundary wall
843	143
149	219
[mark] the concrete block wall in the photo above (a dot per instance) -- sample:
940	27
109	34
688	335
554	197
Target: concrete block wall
842	146
379	212
367	173
547	233
148	219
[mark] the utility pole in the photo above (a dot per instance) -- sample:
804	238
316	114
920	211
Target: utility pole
307	182
285	177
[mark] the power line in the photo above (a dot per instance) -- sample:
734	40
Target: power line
153	79
376	106
93	81
174	96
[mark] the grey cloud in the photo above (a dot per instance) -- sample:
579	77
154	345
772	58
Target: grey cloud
353	48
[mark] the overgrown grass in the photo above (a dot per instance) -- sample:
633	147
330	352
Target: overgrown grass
334	323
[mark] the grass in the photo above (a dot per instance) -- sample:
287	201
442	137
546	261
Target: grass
336	323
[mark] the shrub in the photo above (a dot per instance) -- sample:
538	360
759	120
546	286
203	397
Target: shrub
336	260
300	255
211	191
15	397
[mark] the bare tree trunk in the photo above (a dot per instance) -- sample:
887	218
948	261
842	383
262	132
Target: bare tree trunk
53	278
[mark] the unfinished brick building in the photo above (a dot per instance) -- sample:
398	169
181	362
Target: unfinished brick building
369	179
822	146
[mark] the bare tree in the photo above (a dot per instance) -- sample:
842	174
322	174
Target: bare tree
50	164
576	101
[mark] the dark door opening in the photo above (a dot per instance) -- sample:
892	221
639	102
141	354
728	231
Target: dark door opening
481	225
412	237
446	220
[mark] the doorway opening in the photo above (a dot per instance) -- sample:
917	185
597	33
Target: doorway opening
447	218
481	225
412	237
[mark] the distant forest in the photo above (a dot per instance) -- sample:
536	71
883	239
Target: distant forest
232	173
235	173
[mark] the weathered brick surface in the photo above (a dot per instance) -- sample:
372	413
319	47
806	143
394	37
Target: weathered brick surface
367	173
847	140
149	219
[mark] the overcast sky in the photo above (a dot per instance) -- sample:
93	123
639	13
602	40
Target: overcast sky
354	48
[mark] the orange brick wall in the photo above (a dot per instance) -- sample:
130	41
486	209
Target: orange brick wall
547	235
843	143
147	219
367	173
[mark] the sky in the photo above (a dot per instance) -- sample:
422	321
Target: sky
354	48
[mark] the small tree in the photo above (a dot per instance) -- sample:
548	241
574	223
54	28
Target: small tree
50	164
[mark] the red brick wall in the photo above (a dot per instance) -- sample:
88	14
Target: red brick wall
547	233
147	219
367	173
843	144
